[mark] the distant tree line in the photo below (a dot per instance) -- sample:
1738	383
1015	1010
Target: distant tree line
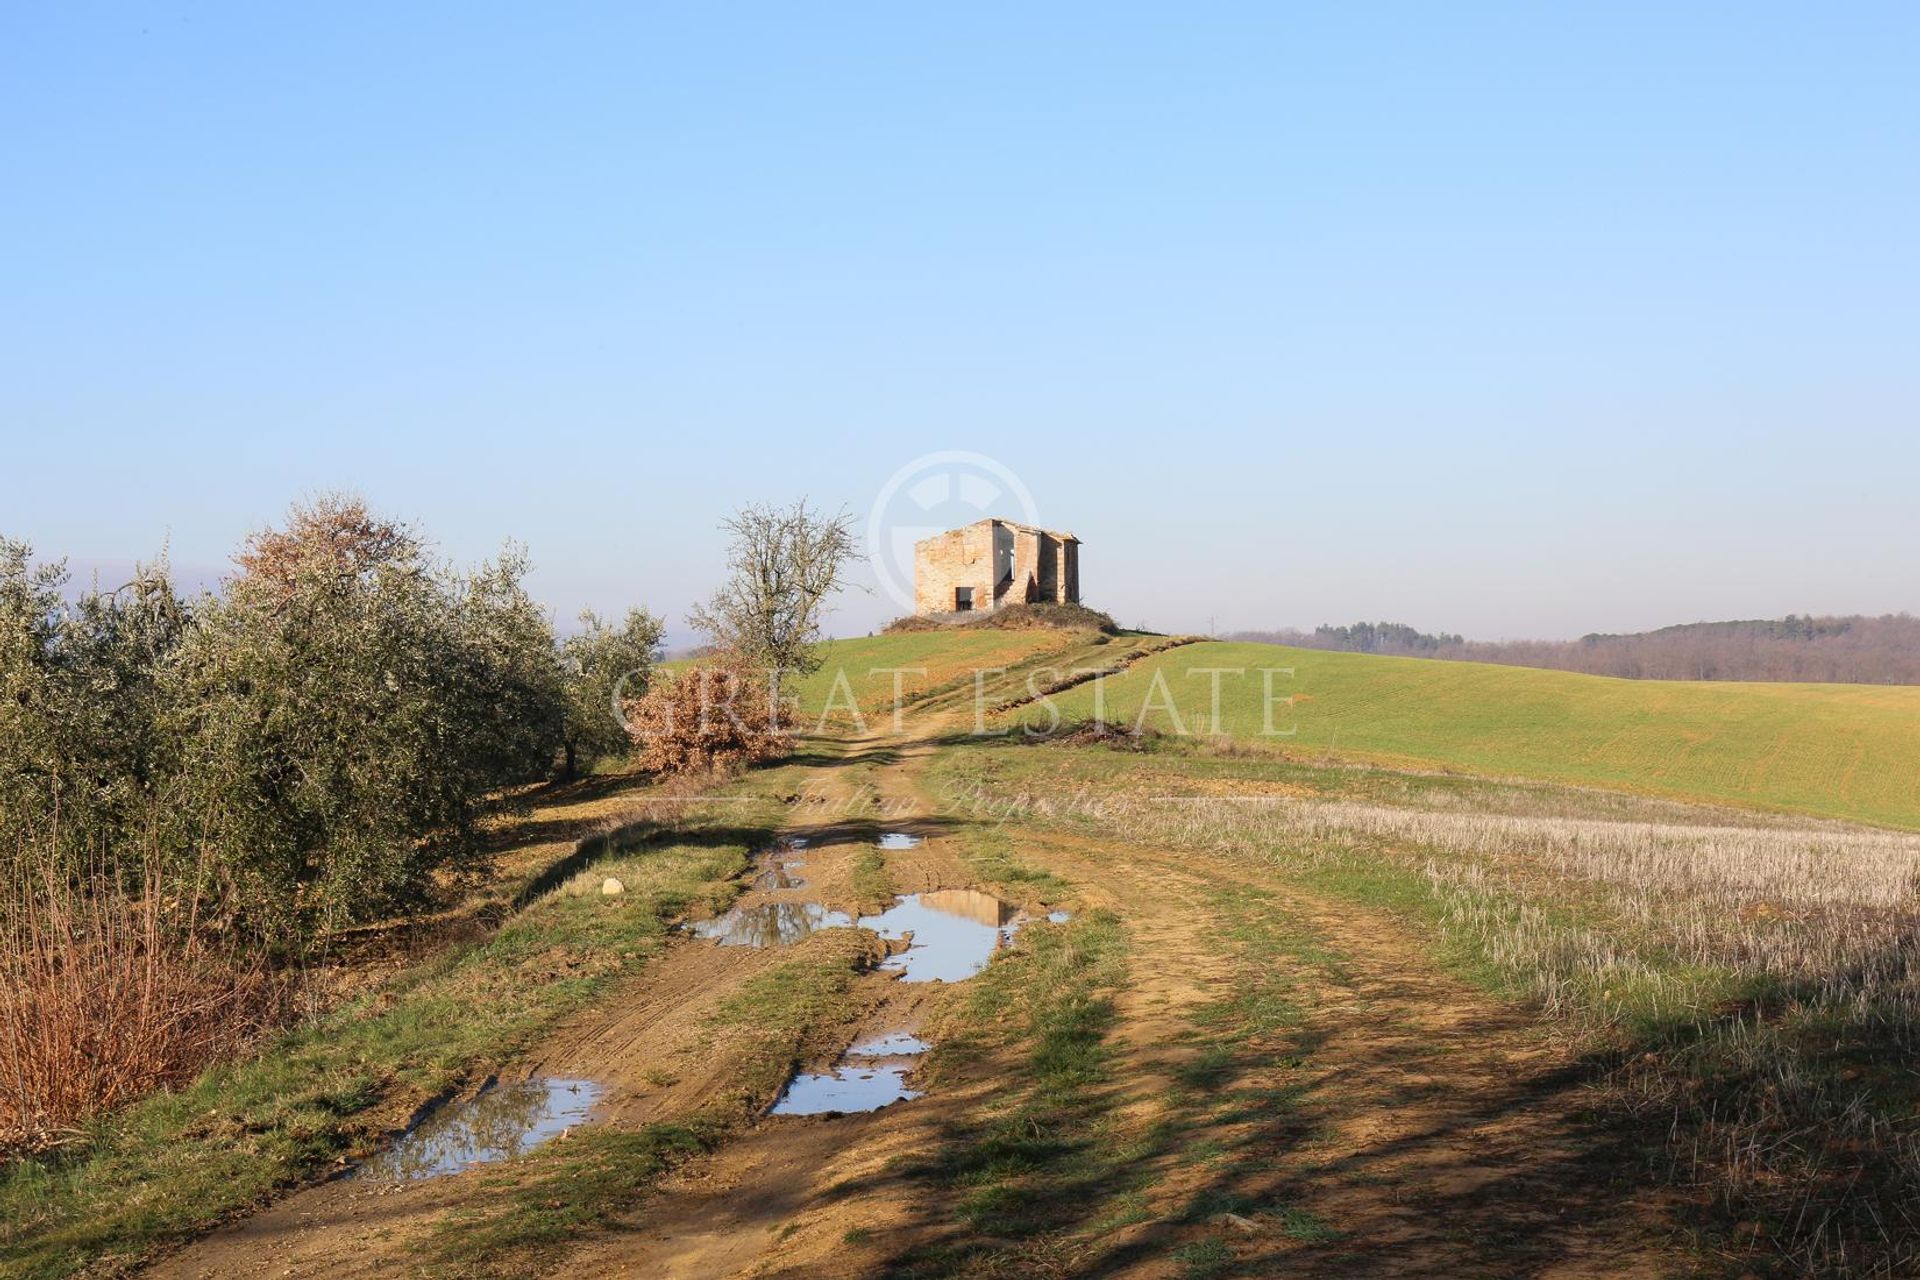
1848	650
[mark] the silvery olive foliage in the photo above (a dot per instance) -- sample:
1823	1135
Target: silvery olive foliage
81	753
605	664
311	743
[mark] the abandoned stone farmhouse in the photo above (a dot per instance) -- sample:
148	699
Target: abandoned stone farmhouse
991	563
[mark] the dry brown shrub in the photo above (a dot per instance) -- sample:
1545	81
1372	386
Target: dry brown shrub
338	529
716	717
103	1001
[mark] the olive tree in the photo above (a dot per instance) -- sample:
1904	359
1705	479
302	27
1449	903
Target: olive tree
605	665
345	705
81	755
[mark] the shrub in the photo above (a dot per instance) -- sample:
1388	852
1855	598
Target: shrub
103	998
605	665
717	717
346	706
79	699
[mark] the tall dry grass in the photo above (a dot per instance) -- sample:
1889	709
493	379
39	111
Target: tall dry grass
108	993
1756	982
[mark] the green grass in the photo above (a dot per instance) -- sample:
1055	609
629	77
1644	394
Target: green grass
169	1167
1846	751
943	658
1028	1165
869	880
1203	1259
529	1210
537	1206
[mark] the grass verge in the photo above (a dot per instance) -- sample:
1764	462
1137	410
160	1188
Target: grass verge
529	1211
176	1164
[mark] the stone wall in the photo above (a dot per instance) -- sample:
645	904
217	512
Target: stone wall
955	559
1000	562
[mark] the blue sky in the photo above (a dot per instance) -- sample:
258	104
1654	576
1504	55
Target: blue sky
1511	320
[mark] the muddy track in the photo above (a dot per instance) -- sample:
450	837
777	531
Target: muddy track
1402	1124
1431	1130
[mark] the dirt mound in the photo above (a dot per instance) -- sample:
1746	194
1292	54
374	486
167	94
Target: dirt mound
1012	617
1102	733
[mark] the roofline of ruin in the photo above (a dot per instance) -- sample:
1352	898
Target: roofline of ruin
1011	524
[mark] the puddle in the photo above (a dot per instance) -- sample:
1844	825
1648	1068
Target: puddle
899	840
778	864
898	1044
779	875
954	932
498	1123
951	934
1059	917
769	924
870	1075
863	1084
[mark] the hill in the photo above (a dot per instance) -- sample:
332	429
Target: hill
1843	751
1850	650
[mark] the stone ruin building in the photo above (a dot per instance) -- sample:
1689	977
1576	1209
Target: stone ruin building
991	563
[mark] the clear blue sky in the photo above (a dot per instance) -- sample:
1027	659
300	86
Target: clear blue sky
1510	320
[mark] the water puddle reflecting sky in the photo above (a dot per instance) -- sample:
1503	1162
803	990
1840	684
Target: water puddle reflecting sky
869	1076
769	924
895	1044
867	1084
498	1123
899	840
952	933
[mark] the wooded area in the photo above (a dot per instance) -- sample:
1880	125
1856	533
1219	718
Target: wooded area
1841	650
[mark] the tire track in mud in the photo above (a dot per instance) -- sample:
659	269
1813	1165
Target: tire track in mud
1432	1131
781	1198
1426	1129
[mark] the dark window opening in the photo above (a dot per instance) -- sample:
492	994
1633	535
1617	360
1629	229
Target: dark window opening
963	599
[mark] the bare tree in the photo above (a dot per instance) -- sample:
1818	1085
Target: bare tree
785	563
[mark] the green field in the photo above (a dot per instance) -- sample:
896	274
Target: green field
927	659
1844	751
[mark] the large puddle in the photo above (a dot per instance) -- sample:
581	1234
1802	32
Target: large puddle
950	933
769	924
869	1076
498	1123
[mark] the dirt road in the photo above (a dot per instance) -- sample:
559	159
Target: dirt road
1287	1086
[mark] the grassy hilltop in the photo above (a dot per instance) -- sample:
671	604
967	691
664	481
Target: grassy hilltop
1836	750
1845	751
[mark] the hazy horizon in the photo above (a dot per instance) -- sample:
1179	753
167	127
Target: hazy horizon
1507	323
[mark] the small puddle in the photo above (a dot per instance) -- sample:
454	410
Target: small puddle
869	1076
498	1123
952	933
866	1085
898	1044
769	924
899	840
777	872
